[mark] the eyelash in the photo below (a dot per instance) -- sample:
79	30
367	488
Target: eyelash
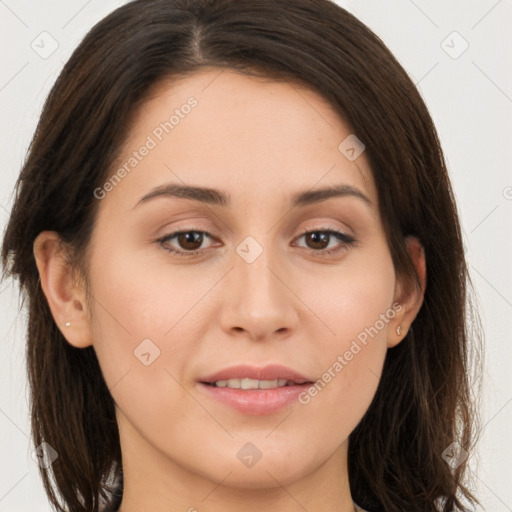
347	241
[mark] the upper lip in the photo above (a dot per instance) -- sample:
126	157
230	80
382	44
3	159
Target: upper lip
269	372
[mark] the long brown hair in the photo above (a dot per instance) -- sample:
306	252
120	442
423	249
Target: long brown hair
423	403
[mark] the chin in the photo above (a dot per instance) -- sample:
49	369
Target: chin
274	469
266	477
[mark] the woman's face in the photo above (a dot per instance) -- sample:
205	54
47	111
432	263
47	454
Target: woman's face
253	298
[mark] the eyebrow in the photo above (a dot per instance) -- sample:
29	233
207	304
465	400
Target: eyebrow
217	197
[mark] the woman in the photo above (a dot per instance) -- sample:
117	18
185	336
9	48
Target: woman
244	267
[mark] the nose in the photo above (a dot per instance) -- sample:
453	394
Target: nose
258	302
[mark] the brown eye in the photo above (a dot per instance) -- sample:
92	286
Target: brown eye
190	240
318	241
186	243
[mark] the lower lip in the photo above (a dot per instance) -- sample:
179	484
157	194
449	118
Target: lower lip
256	401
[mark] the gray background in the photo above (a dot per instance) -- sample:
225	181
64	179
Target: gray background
469	94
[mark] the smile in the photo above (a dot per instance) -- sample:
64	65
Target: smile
247	383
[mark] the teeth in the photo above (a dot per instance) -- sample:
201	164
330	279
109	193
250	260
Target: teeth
253	383
245	383
268	384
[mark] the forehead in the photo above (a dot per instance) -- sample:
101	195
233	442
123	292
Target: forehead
222	129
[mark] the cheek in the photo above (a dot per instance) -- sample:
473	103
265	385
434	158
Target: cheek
356	308
137	297
352	299
135	313
143	337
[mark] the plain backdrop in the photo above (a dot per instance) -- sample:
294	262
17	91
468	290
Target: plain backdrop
459	53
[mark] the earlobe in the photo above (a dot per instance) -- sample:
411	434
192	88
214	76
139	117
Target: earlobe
409	294
66	298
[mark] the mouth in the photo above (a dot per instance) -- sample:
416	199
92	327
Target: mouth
253	390
247	377
247	383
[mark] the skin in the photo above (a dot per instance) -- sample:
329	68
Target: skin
259	141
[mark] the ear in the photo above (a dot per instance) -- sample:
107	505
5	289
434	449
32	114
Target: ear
409	294
65	295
